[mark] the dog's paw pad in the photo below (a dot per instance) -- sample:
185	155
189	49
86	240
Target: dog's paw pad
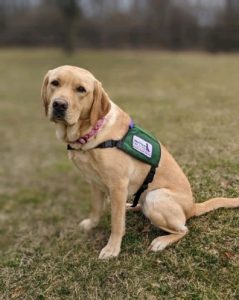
130	208
158	244
87	224
109	252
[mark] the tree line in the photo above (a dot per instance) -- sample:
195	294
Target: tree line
164	24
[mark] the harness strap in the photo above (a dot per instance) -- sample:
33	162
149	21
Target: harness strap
108	144
149	178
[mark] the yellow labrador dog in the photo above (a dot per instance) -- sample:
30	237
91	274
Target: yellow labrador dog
85	116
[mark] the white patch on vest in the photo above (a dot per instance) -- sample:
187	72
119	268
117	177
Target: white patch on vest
142	146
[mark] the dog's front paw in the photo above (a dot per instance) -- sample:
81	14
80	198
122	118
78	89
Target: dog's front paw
87	224
109	252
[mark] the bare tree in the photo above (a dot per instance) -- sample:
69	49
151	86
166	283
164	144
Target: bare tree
224	36
71	12
169	24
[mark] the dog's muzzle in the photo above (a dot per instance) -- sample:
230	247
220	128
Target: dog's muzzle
59	106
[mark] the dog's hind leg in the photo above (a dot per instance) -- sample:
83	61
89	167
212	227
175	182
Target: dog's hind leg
162	242
162	209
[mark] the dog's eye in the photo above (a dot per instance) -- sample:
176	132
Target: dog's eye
81	89
55	83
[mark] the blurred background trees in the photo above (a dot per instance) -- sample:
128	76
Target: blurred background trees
166	24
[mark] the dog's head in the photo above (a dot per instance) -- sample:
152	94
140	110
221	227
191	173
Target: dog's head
72	95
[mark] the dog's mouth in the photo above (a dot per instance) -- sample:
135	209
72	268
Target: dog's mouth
58	118
62	118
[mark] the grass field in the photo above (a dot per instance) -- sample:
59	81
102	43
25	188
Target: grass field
190	101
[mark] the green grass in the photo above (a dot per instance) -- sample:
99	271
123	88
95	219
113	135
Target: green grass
190	101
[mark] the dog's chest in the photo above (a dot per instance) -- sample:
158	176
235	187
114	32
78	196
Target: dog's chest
88	169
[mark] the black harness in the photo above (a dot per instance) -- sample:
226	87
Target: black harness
149	178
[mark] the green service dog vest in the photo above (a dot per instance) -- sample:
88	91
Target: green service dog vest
142	146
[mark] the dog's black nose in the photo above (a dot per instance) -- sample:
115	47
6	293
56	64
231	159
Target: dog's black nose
60	105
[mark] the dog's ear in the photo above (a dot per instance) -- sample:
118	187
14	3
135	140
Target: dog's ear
44	92
101	104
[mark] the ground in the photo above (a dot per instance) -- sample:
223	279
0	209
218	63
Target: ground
190	101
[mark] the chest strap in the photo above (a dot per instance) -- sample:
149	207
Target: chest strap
149	178
108	144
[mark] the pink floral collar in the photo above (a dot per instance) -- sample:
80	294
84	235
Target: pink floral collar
84	139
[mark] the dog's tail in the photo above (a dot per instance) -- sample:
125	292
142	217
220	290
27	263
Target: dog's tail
214	203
